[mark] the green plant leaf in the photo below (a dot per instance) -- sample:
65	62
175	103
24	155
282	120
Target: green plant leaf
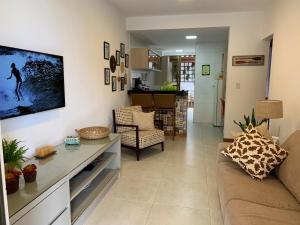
13	154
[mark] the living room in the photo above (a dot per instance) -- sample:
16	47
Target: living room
78	31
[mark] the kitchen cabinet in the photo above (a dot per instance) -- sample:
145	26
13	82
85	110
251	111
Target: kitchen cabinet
145	59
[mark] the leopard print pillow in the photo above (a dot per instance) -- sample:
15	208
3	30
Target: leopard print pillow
257	155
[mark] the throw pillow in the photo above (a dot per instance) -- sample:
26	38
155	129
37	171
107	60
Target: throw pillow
145	121
264	131
257	155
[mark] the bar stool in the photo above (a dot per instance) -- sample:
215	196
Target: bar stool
144	100
166	102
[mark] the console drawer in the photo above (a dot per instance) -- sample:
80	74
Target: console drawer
63	219
46	211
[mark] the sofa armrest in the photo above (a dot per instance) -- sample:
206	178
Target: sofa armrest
128	125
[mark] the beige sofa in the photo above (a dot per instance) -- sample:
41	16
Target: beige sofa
273	201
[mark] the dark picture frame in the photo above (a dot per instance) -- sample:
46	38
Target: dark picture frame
113	83
126	60
106	76
248	60
118	59
106	50
206	70
122	50
122	83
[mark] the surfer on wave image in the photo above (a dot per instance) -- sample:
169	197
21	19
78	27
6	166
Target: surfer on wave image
16	73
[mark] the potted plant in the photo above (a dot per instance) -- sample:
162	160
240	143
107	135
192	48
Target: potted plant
13	154
29	173
249	120
12	181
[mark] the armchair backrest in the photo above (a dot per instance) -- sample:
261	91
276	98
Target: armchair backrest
124	116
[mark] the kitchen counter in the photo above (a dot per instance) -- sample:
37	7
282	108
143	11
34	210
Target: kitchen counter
166	117
178	93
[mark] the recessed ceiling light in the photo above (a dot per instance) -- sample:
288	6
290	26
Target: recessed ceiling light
179	50
191	37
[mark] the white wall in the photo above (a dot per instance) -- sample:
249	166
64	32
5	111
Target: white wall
205	86
76	30
283	21
245	38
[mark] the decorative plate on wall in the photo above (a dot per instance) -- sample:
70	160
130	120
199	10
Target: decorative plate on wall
113	64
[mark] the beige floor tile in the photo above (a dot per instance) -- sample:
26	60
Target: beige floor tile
119	212
150	154
184	173
142	169
186	158
134	189
192	195
173	215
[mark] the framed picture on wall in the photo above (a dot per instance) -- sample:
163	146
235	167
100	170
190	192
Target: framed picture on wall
122	49
122	83
206	70
126	60
113	83
248	60
106	76
106	47
118	58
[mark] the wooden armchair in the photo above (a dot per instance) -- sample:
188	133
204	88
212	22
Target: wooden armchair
131	136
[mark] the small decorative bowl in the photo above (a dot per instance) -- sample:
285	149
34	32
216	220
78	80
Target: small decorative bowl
93	133
30	177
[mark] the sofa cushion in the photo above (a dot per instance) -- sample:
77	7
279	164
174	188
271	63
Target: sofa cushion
234	184
124	116
257	155
146	138
247	213
290	168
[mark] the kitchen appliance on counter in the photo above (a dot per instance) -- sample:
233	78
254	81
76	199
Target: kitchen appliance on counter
139	85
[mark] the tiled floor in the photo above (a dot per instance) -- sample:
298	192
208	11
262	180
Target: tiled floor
175	187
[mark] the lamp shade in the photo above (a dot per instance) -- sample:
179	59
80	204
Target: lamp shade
269	109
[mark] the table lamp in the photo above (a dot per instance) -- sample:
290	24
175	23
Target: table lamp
269	109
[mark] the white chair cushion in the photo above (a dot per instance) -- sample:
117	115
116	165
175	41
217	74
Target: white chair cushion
146	138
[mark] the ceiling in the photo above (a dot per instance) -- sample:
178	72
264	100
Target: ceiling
171	40
173	7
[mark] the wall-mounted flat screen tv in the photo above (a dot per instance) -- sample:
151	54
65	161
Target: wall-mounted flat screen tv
30	82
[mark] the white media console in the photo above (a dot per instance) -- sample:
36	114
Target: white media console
66	190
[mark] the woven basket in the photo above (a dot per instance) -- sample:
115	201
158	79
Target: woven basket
93	133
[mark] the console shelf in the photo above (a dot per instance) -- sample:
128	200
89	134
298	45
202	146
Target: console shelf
69	184
92	193
84	178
